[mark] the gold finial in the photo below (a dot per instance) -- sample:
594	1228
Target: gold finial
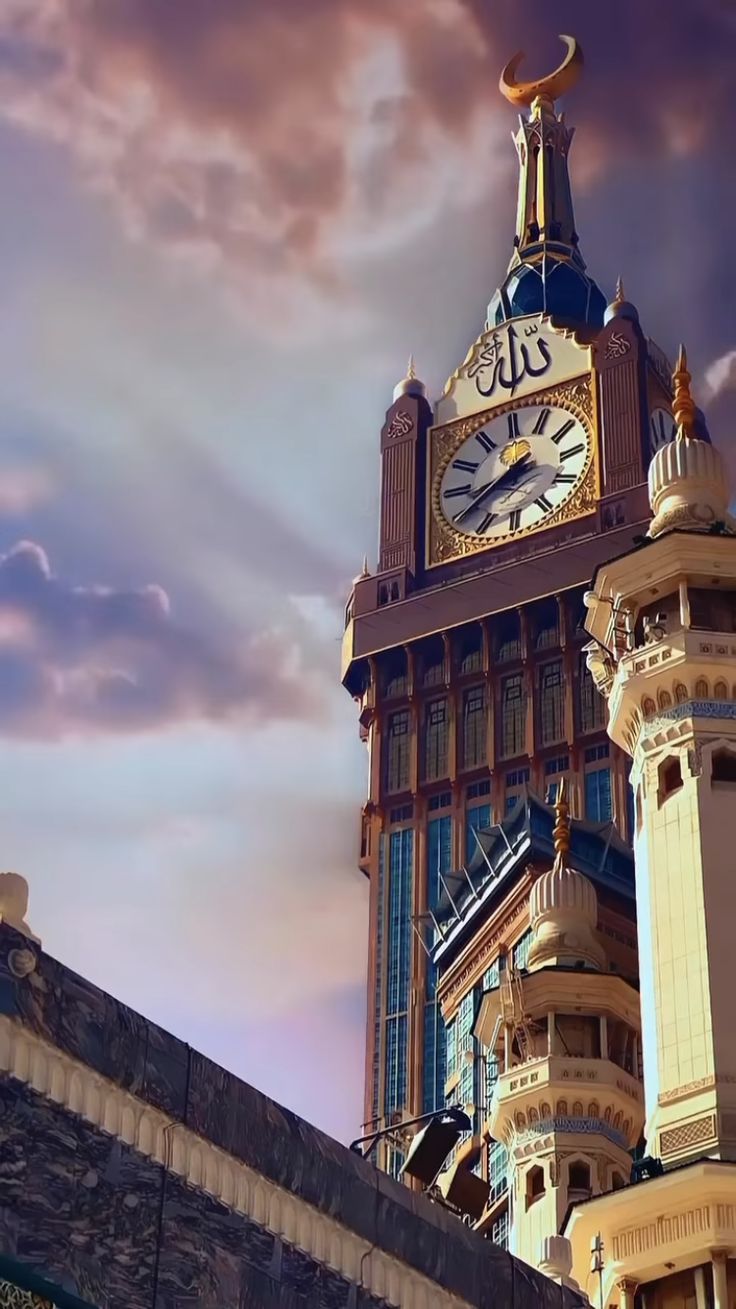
364	572
561	833
411	370
619	297
683	405
545	89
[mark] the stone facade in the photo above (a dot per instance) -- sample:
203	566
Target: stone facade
134	1172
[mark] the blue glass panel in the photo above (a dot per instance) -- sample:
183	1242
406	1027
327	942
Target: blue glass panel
439	860
398	965
521	950
475	820
598	800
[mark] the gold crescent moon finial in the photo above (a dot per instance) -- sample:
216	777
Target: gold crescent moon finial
545	88
561	833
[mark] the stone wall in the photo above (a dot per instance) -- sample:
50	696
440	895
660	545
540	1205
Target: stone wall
134	1172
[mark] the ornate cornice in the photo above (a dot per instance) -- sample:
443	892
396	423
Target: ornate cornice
28	1059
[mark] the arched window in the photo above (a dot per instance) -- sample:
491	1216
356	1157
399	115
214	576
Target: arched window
701	689
579	1181
470	651
665	700
551	703
648	707
670	778
720	691
394	679
474	727
724	766
535	1185
432	663
513	716
398	745
591	705
680	693
546	624
507	642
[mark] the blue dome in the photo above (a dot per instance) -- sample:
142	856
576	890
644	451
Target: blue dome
552	286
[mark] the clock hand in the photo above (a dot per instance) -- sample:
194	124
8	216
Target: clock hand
509	475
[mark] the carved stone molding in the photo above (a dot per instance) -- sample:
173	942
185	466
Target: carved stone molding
26	1058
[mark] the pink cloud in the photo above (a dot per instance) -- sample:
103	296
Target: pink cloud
87	660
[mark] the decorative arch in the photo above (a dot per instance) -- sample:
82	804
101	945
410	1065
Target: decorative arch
665	700
681	693
702	690
648	706
579	1180
577	1109
720	690
669	778
562	1108
723	765
535	1185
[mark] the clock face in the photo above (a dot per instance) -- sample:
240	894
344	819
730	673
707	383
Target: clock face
514	472
662	428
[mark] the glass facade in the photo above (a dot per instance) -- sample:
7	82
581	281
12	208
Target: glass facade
398	966
551	703
439	860
513	716
591	705
475	820
474	727
435	741
398	746
598	796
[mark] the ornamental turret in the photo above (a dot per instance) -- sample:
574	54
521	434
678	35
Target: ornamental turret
663	619
568	1103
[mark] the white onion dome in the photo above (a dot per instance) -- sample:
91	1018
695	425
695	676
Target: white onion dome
688	481
410	385
563	908
620	307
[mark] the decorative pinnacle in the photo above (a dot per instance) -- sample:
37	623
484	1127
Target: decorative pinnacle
411	370
546	89
683	405
619	297
364	572
561	834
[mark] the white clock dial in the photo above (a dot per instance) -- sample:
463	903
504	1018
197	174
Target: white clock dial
662	428
514	472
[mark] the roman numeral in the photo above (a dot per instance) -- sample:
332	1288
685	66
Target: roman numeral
485	441
541	422
515	520
566	427
571	451
543	503
464	466
452	491
483	527
567	478
513	422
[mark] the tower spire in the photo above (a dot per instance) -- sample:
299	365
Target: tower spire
561	833
683	405
547	271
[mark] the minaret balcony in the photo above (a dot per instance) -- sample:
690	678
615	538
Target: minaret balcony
562	1093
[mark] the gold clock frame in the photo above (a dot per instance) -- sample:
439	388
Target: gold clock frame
445	543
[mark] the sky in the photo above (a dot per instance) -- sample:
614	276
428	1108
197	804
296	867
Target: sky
224	226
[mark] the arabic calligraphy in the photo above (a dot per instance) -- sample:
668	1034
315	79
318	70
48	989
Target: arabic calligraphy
618	346
509	360
400	425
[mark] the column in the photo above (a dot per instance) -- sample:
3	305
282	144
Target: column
550	1033
627	1289
604	1036
684	605
701	1294
719	1259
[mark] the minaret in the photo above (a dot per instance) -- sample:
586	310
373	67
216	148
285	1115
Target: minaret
568	1102
663	619
547	271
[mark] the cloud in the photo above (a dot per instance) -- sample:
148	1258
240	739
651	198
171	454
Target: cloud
86	660
242	136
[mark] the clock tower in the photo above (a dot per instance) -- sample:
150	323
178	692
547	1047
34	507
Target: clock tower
465	647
